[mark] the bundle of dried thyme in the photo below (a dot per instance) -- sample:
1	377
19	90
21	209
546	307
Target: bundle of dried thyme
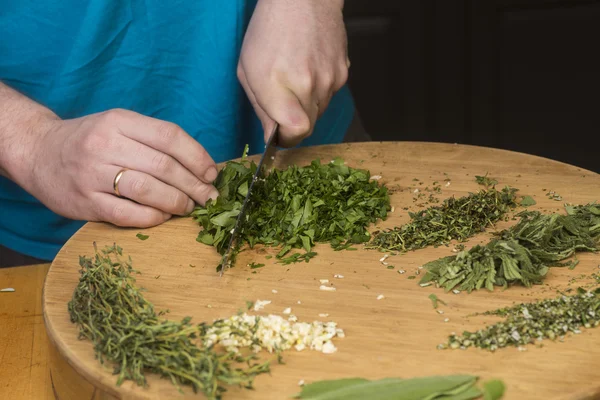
455	219
522	253
111	311
530	323
295	207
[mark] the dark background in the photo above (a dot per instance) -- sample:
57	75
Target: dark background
520	75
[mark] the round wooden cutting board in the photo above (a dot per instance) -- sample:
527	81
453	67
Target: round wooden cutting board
392	337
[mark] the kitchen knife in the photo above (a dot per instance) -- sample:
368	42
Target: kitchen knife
265	163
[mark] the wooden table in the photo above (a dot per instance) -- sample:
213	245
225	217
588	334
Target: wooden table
392	337
24	372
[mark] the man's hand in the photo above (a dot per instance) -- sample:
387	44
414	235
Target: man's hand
70	165
293	59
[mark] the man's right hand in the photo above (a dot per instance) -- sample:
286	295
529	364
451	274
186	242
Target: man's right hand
72	165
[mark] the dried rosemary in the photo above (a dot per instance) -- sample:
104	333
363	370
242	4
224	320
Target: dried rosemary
454	219
111	311
294	208
521	254
530	323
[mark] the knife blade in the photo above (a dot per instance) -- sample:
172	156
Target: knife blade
265	163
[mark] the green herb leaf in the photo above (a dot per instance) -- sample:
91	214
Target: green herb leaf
435	300
254	265
485	181
141	236
527	201
428	388
493	390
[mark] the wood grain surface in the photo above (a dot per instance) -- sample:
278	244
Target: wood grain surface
24	372
393	337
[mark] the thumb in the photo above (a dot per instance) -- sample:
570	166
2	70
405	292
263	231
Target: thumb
286	109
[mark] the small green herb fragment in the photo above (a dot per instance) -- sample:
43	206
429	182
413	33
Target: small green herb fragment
412	277
141	236
192	266
297	257
493	389
527	201
485	181
254	265
435	300
268	257
390	267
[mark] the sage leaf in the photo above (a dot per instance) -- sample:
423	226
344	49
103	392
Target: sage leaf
141	236
493	390
427	388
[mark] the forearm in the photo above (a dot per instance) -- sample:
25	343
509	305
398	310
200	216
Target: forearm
22	121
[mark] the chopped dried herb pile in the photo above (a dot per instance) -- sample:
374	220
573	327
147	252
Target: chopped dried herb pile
522	253
454	219
529	323
295	207
124	328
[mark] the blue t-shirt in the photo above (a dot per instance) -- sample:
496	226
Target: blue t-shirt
174	60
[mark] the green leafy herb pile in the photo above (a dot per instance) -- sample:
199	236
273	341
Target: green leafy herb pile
124	328
530	323
454	219
522	253
294	208
453	387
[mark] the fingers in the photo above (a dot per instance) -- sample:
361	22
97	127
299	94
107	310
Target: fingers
295	100
139	157
267	122
167	138
146	190
126	213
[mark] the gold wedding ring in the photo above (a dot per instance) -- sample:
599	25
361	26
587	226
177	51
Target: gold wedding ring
116	181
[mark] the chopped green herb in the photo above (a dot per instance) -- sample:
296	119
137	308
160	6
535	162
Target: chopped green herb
254	265
412	277
299	207
454	219
527	201
390	267
268	257
485	181
530	323
192	266
297	257
141	236
435	300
